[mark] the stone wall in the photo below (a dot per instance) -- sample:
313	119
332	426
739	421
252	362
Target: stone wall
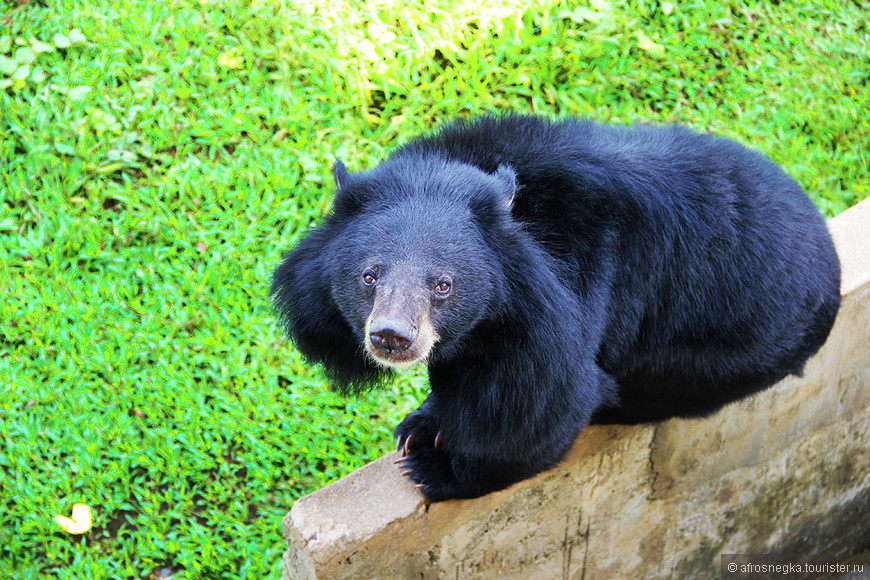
785	471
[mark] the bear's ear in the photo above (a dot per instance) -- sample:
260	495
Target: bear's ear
339	171
507	180
348	198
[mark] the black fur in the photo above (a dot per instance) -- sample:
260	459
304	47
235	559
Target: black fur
598	274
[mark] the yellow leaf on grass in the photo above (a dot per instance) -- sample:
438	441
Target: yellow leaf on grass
231	59
80	522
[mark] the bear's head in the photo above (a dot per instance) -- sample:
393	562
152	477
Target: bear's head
415	264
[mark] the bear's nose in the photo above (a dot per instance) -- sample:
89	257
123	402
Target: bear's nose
391	335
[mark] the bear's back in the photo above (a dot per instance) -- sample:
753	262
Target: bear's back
714	245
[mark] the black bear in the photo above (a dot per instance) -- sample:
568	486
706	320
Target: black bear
553	274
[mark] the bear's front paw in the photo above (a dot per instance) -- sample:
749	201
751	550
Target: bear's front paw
439	472
417	430
424	457
432	470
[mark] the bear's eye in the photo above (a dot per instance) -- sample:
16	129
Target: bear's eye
369	277
442	287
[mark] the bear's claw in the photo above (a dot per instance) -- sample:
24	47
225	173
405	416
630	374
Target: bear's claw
406	448
404	444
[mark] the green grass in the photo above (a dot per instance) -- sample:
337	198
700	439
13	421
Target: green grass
141	371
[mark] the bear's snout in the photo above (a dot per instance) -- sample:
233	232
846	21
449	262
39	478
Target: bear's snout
391	335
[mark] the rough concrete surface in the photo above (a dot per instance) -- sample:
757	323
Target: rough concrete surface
785	471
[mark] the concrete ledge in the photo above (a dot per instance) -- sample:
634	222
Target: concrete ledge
785	471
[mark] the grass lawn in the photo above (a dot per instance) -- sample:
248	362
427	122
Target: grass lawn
156	159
